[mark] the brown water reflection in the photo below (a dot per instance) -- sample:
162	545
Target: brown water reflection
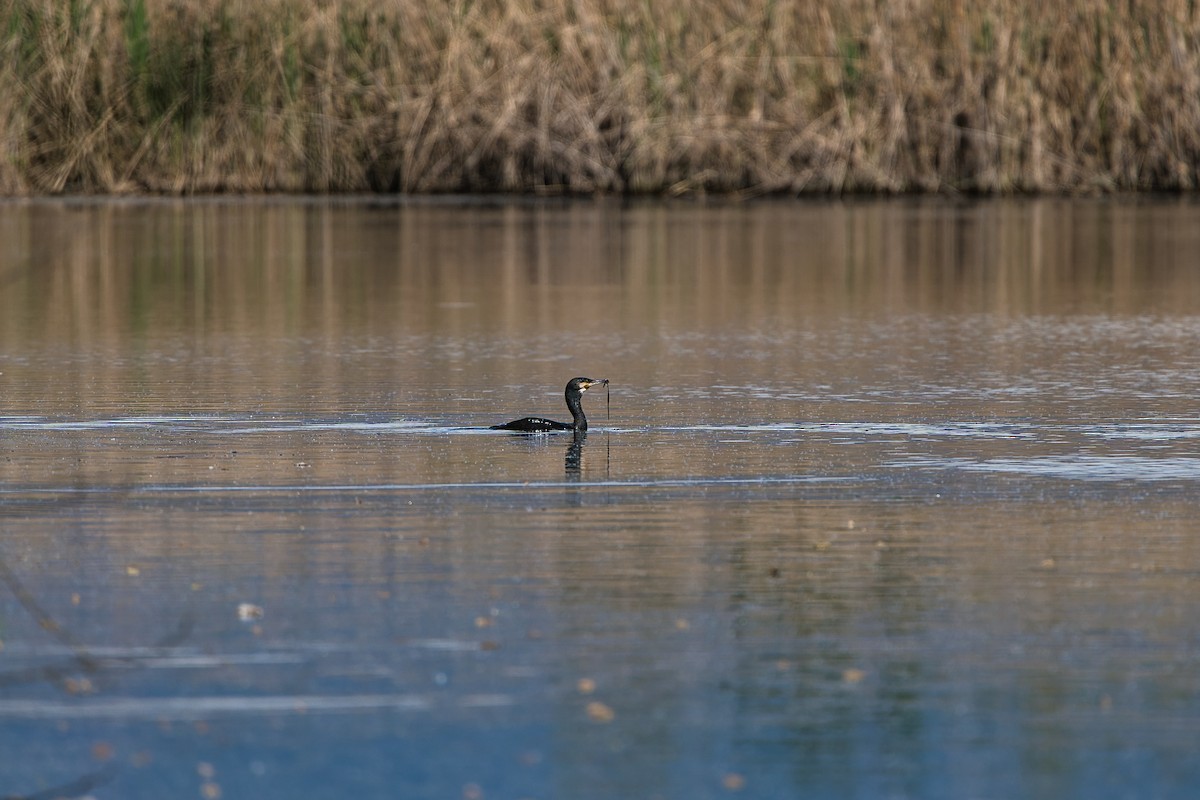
739	314
99	275
896	498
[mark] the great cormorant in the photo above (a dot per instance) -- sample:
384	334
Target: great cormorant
574	391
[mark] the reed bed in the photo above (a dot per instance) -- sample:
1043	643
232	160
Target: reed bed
611	96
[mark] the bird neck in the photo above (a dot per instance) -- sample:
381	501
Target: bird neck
576	407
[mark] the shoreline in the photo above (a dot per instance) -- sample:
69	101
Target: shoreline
533	200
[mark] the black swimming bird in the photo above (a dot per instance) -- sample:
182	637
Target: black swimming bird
575	389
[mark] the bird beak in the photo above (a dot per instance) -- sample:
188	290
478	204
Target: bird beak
601	382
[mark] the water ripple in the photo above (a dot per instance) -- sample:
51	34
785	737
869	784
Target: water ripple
980	430
1156	432
1140	430
649	483
1073	467
187	708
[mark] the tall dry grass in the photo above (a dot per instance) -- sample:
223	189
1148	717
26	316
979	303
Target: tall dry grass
750	96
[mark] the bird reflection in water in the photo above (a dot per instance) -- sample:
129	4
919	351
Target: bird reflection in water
573	463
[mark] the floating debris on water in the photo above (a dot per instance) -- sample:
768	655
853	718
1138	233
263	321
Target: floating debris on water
599	712
247	612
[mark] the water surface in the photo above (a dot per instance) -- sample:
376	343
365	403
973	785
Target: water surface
889	499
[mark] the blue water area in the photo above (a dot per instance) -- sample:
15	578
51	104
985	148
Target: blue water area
934	625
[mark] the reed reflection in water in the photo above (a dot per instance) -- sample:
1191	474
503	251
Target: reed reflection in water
896	499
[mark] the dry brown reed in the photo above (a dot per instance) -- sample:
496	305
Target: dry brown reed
628	96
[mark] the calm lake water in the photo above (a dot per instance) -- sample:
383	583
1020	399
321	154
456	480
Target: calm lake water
888	499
